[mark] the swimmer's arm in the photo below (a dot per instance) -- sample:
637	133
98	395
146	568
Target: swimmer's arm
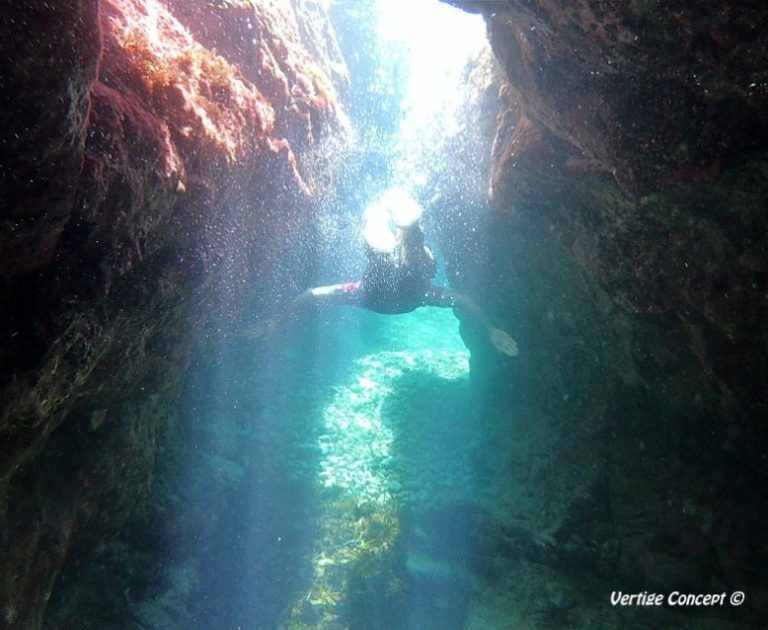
466	307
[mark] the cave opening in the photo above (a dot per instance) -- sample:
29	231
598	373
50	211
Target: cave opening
349	438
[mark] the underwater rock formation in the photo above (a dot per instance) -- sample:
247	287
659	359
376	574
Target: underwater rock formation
641	134
141	158
627	257
651	96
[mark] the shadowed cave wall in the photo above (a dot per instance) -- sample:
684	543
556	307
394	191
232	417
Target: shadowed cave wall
627	253
149	150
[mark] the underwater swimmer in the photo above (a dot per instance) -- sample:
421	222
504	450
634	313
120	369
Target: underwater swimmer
398	276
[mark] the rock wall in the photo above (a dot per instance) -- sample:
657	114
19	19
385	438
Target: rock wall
639	133
154	156
627	257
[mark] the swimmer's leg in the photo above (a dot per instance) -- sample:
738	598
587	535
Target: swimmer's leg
346	293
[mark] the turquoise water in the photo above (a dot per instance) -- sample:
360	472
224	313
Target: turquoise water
338	473
362	457
356	475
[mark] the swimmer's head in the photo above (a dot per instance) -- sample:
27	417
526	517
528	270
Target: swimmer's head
376	231
397	208
404	209
412	236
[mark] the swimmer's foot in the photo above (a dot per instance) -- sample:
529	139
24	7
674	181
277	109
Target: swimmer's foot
503	342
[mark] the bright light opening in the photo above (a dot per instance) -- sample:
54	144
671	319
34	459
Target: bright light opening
365	475
440	41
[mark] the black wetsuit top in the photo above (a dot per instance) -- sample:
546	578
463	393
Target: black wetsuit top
390	287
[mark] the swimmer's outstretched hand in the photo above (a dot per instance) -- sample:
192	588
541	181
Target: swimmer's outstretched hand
503	342
262	329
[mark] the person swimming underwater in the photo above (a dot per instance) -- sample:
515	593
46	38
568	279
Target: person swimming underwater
399	275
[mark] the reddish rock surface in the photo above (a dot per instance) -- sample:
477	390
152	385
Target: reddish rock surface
139	157
650	94
638	131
